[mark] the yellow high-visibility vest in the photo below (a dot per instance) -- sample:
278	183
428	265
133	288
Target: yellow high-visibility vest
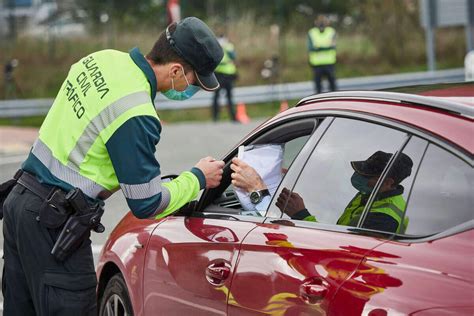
323	41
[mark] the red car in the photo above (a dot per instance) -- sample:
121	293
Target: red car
214	258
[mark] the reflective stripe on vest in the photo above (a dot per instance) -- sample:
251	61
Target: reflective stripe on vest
101	121
392	206
227	65
93	102
322	40
143	190
64	173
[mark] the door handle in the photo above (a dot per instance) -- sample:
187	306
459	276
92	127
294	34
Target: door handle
314	290
217	273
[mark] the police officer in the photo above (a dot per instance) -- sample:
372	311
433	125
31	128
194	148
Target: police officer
226	73
100	136
322	53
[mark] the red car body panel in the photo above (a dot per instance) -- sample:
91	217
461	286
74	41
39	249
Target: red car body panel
294	271
283	270
125	248
427	278
179	254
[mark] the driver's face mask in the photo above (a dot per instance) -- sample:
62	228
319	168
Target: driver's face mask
361	183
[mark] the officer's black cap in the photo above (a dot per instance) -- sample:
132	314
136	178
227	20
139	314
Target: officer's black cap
375	164
193	41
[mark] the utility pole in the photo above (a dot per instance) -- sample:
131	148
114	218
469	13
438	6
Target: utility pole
111	24
11	21
470	26
430	12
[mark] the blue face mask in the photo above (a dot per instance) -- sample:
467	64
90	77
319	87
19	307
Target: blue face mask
361	183
187	93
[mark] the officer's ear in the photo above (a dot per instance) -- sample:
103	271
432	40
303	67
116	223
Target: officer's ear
175	70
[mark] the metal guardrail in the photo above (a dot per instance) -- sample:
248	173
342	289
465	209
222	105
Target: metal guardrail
257	94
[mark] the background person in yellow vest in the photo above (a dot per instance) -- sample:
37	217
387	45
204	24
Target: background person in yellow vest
11	87
100	136
387	210
226	73
322	53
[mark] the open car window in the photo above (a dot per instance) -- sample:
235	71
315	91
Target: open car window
292	136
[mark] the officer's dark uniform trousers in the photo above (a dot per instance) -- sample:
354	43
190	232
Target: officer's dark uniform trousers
226	82
327	71
34	283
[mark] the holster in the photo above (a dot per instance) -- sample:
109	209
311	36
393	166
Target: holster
6	188
84	218
55	210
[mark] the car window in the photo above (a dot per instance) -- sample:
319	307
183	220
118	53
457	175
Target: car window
291	149
324	189
442	195
291	142
387	212
229	197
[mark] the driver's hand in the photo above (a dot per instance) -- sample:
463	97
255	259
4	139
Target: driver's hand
245	177
212	170
293	201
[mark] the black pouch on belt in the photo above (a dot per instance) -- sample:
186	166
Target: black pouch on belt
55	210
5	189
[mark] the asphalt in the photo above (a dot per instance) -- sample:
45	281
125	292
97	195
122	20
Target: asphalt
180	148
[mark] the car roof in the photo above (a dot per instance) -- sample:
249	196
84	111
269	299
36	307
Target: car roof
435	112
460	104
462	92
459	89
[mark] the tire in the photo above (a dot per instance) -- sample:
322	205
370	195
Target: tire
116	301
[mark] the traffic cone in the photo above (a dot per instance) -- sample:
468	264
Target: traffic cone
283	105
241	114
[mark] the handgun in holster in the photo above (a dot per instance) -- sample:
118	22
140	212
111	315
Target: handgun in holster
84	218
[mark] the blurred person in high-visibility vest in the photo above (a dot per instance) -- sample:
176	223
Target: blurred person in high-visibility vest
226	73
322	52
10	85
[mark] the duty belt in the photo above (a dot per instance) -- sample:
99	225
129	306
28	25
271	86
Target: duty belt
30	182
71	212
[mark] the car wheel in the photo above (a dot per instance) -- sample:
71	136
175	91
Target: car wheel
115	301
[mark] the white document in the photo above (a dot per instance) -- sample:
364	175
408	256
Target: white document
267	161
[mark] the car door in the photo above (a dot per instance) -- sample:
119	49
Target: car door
288	266
427	269
190	259
188	264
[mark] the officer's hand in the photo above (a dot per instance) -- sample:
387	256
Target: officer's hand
245	177
212	170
